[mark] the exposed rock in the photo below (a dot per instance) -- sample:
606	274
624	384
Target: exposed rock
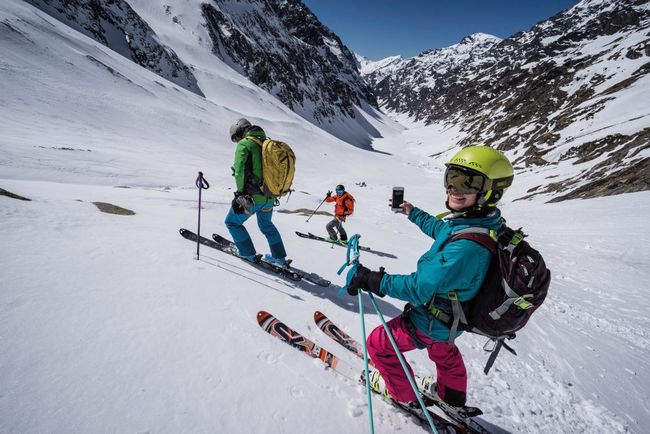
115	24
4	192
109	208
305	212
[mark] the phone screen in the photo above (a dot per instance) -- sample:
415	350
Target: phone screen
398	197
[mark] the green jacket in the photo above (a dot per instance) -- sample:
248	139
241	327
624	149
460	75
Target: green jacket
247	168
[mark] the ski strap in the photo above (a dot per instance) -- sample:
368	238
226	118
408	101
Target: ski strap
201	182
351	260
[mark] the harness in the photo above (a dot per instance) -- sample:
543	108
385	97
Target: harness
454	316
251	181
457	320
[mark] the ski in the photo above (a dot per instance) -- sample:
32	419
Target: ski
277	328
287	268
311	236
331	330
229	249
461	415
450	426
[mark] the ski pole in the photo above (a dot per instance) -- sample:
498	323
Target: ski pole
403	363
201	183
312	214
352	261
365	362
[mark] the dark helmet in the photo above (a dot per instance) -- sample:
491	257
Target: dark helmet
237	129
340	187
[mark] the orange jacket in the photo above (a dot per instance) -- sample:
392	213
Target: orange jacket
344	204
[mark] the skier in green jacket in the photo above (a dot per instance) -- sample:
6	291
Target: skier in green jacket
249	199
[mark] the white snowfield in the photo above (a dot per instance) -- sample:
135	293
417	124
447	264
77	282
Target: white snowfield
109	324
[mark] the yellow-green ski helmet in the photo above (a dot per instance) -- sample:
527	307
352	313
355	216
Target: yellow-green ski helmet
480	169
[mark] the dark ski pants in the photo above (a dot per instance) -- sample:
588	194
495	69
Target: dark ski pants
450	367
240	236
336	223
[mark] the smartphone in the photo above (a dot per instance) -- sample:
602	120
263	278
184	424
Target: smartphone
398	198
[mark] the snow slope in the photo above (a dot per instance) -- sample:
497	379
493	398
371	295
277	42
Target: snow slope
109	324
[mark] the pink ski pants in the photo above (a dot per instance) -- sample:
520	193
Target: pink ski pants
450	367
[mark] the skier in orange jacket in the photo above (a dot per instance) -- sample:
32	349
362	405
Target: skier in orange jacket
344	207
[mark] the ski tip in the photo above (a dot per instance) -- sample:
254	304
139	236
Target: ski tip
318	315
262	316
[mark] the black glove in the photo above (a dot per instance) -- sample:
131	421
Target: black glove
366	280
238	203
329	193
236	207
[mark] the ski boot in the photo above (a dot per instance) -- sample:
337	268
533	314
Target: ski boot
430	391
280	262
251	258
378	385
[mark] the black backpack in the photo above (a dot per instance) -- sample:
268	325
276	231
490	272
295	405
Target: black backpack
515	285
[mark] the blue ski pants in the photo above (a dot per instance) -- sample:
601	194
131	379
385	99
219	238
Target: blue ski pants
264	213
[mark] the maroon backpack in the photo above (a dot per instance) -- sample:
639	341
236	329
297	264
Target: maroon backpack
515	285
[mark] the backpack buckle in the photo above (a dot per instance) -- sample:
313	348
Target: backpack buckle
522	303
435	311
517	237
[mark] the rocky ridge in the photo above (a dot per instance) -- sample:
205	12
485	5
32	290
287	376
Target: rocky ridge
115	24
545	96
283	48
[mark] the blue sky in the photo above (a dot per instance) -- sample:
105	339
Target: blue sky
381	28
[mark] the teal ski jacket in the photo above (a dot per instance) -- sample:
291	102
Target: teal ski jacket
458	266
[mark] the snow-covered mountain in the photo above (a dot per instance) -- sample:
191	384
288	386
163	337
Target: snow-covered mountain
279	46
283	48
574	88
421	72
116	25
382	67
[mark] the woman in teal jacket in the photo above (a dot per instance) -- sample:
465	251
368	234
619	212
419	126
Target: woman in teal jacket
475	180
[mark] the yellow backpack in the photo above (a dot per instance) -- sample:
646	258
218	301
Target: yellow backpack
278	167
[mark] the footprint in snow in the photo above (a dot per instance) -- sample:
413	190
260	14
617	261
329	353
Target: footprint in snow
296	391
269	358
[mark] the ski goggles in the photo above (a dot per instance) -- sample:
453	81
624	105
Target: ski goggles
339	191
466	180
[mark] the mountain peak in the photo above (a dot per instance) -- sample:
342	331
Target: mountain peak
477	38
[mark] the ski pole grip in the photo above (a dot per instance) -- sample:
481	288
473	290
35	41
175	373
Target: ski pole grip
201	182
